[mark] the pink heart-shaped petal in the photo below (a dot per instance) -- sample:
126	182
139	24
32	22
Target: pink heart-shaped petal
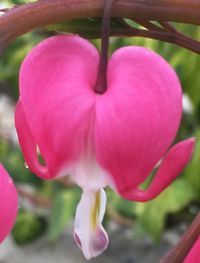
138	117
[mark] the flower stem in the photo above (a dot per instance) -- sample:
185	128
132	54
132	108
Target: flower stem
40	14
101	83
34	198
181	250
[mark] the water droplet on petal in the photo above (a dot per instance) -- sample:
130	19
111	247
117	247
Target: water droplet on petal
26	165
10	180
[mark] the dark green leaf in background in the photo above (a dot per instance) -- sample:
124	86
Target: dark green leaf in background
28	227
192	172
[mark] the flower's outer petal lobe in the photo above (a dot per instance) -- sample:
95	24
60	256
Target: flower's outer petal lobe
171	166
27	143
56	95
194	254
8	203
89	233
137	117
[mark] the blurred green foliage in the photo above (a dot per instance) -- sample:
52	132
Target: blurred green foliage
28	227
64	205
151	216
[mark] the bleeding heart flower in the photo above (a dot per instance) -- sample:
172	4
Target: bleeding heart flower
194	254
8	203
113	139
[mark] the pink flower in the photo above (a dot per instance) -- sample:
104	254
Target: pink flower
194	254
8	203
114	139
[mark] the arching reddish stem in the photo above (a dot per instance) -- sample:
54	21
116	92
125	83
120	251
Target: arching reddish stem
180	251
101	84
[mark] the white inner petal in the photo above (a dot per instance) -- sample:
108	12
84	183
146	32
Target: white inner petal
86	172
89	233
102	205
89	175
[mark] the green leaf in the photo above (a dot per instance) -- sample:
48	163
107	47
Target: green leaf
12	59
124	207
192	171
13	161
4	148
62	212
28	227
86	27
152	215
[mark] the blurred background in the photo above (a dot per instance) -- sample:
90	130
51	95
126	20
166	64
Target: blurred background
138	232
